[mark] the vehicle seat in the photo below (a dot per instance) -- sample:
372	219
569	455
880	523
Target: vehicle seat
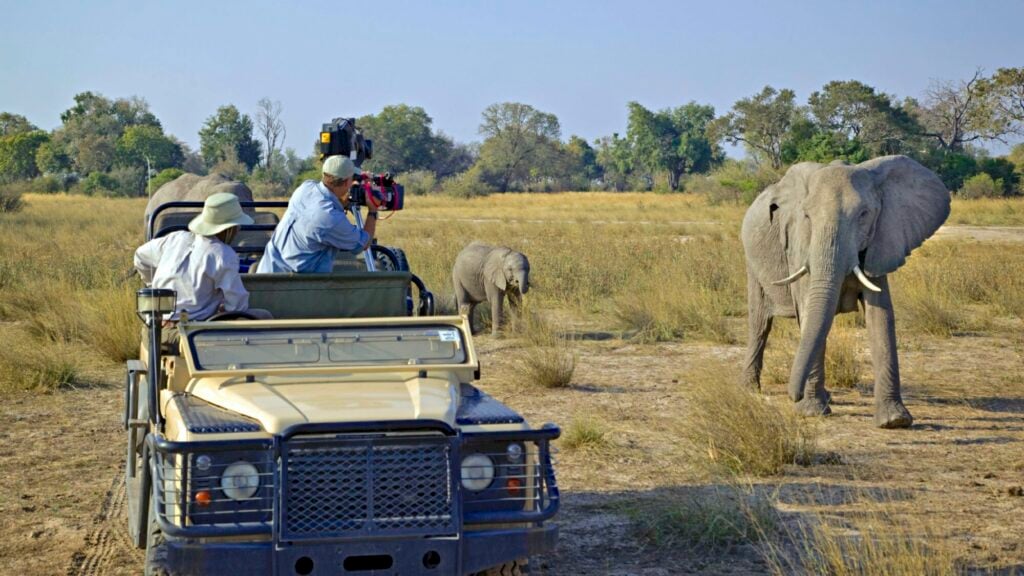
340	295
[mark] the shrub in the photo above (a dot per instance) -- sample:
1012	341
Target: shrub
734	430
10	199
981	186
98	184
734	182
468	184
418	182
130	181
166	175
265	189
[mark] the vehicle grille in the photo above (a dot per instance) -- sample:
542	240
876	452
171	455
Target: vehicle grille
367	486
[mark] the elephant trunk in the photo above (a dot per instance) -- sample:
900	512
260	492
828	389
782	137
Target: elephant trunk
523	280
820	301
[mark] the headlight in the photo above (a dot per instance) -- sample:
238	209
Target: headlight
477	472
240	480
514	452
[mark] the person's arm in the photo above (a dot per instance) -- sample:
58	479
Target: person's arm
229	281
338	232
147	258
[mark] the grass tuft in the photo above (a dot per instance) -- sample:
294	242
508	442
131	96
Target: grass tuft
731	429
585	433
29	364
548	360
842	368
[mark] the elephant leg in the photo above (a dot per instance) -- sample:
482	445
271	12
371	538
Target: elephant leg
759	320
816	398
881	326
496	312
515	307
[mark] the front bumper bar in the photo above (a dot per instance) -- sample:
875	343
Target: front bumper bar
478	550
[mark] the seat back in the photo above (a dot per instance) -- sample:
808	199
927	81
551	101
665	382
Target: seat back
344	295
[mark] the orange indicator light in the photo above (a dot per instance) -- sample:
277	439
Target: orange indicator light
203	498
514	486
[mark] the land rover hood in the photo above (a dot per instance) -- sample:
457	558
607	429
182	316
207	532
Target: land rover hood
278	402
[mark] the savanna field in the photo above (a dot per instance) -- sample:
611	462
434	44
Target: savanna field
632	342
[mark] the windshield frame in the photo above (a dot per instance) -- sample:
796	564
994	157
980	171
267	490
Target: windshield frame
191	329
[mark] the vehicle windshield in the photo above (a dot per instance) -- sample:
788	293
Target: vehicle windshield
306	347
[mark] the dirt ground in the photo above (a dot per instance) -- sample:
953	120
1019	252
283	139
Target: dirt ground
961	467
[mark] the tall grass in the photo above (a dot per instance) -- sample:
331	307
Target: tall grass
27	363
733	430
548	359
842	368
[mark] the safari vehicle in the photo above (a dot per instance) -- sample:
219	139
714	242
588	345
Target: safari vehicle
343	437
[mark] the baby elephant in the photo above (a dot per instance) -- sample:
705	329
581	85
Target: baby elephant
486	273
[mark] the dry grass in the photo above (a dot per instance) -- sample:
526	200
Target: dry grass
29	364
548	359
733	430
585	433
842	367
875	542
716	518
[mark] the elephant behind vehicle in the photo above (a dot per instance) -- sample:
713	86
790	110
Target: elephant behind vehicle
192	188
823	240
485	273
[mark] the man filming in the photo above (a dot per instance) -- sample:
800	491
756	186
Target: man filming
314	227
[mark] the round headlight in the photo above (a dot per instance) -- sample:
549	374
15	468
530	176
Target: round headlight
203	462
477	472
240	480
514	452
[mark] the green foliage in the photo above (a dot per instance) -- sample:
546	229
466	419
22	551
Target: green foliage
673	140
93	126
981	186
760	122
824	147
469	184
854	112
954	168
52	159
616	161
227	136
11	124
146	142
99	184
18	155
1001	170
418	182
166	175
521	143
402	139
130	181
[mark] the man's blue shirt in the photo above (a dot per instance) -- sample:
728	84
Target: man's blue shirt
314	228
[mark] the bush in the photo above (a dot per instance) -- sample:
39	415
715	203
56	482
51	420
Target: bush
10	199
166	175
98	184
583	434
264	189
732	183
130	181
735	430
715	519
469	184
418	182
981	186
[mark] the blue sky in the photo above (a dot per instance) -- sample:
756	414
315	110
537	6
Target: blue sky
582	61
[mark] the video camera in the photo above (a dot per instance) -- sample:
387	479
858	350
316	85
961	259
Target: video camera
377	191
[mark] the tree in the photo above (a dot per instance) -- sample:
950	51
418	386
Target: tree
11	124
518	138
271	128
451	157
402	139
1006	88
18	155
760	122
957	113
615	158
807	142
92	127
226	137
146	145
673	140
51	158
855	111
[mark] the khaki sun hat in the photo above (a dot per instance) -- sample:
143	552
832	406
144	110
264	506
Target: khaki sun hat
220	212
340	167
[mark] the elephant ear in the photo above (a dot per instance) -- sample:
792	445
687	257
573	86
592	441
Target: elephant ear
914	204
494	268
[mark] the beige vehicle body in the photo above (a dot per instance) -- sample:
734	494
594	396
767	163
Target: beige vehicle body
343	437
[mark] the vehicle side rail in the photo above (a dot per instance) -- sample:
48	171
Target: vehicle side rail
151	218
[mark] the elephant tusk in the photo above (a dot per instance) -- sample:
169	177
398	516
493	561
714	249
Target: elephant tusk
793	278
864	280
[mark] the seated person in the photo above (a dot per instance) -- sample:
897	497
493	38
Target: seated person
200	265
315	228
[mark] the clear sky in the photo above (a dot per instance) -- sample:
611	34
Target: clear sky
582	61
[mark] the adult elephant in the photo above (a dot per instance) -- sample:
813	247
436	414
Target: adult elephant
819	241
193	188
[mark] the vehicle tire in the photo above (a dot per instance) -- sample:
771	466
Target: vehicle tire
385	262
518	567
156	550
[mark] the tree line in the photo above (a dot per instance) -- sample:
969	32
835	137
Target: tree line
118	147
